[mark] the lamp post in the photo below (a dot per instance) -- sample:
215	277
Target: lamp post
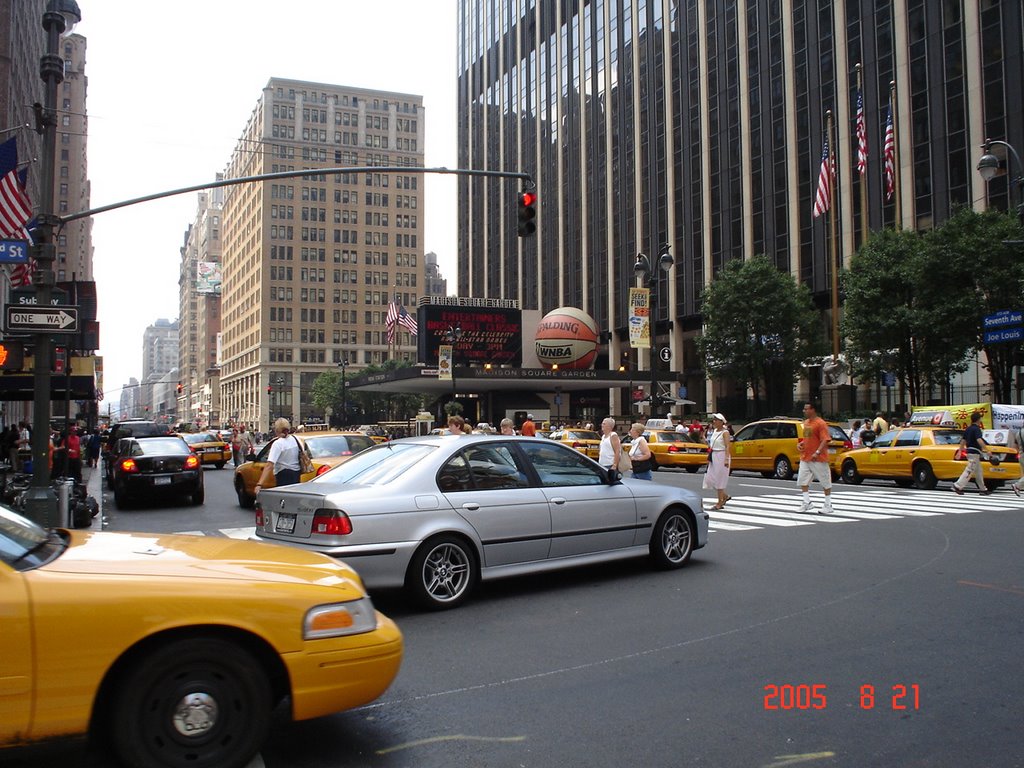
452	336
279	389
342	365
40	500
643	269
988	167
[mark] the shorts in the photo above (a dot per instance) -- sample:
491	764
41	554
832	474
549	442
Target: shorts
818	470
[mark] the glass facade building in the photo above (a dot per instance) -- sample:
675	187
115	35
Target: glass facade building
700	123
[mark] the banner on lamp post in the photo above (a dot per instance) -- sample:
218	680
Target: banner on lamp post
444	362
640	318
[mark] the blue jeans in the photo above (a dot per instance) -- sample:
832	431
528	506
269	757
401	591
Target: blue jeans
286	477
646	475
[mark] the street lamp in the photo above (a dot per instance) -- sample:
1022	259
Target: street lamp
344	409
452	336
40	500
642	269
989	165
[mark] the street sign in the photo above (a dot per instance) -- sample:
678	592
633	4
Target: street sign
35	319
682	392
13	251
1004	319
665	354
26	297
1004	334
888	379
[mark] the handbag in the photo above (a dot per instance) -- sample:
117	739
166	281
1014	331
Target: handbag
625	463
305	463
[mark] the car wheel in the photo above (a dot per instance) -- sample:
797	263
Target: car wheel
442	573
245	501
904	482
783	468
691	470
220	465
850	474
924	477
200	702
121	498
672	539
199	496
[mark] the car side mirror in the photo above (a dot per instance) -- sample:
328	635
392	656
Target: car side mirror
250	456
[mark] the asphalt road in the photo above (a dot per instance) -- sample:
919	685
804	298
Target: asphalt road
892	638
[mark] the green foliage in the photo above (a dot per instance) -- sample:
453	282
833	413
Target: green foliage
914	303
327	391
759	326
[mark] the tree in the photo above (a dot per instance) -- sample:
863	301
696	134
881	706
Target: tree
759	326
987	251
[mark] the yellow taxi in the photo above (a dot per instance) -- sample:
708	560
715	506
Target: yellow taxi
923	455
210	448
585	441
675	450
769	446
188	642
326	449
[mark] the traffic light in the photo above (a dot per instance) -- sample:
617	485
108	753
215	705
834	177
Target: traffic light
527	213
180	388
12	355
270	388
60	360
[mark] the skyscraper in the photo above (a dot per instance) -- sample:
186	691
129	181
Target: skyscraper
700	124
310	263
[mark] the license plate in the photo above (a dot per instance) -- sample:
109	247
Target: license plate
286	523
214	450
161	481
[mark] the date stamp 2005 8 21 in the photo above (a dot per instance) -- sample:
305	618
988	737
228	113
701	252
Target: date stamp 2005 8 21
898	696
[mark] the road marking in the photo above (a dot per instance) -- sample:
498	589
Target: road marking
454	737
239	533
1011	590
758	507
722	526
762	520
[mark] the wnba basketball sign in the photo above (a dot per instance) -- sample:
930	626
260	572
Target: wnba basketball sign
566	337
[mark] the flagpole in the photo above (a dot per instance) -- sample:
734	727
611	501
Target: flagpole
864	172
833	250
896	155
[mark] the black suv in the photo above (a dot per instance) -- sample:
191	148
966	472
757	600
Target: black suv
122	429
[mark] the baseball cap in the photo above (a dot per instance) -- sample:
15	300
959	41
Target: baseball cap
718	416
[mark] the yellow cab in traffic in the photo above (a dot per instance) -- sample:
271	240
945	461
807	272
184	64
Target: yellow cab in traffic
326	448
209	447
922	456
770	446
675	450
170	646
585	441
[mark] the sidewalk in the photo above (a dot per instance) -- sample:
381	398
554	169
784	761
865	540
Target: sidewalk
93	479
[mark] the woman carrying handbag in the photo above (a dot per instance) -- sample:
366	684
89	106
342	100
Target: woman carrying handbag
717	476
639	453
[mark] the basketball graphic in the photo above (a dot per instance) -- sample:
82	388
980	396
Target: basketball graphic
567	337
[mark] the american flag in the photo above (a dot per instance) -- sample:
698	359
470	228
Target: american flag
407	321
15	207
390	320
889	153
823	197
862	136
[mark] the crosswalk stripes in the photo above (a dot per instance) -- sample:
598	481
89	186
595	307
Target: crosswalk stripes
782	510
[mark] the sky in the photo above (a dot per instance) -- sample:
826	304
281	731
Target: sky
168	97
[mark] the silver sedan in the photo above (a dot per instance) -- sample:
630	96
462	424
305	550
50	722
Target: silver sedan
436	514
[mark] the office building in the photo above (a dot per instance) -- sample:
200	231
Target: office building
700	124
310	262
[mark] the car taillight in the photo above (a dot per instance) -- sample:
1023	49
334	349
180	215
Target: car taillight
847	445
321	469
129	465
577	445
191	462
674	449
331	522
960	455
259	516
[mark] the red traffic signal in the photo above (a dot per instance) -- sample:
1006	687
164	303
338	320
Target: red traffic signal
12	355
180	388
527	213
270	389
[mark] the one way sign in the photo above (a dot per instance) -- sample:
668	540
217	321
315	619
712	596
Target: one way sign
37	319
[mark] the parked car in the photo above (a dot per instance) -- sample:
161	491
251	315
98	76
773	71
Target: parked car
210	448
435	514
325	449
129	428
922	456
769	446
674	450
585	441
175	649
156	467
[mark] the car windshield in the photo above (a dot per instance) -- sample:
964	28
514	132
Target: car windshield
947	436
201	437
378	465
337	445
836	433
580	434
161	446
23	543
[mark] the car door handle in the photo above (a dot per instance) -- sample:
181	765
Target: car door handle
471	506
558	500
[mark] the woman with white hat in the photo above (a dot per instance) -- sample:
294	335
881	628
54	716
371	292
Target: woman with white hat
717	476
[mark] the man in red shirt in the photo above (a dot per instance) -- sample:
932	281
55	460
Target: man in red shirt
814	459
529	429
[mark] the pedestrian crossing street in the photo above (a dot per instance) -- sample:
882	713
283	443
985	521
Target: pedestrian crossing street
749	513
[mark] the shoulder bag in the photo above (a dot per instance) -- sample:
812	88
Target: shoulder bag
305	463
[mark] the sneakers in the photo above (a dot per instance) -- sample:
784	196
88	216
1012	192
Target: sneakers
806	507
826	508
